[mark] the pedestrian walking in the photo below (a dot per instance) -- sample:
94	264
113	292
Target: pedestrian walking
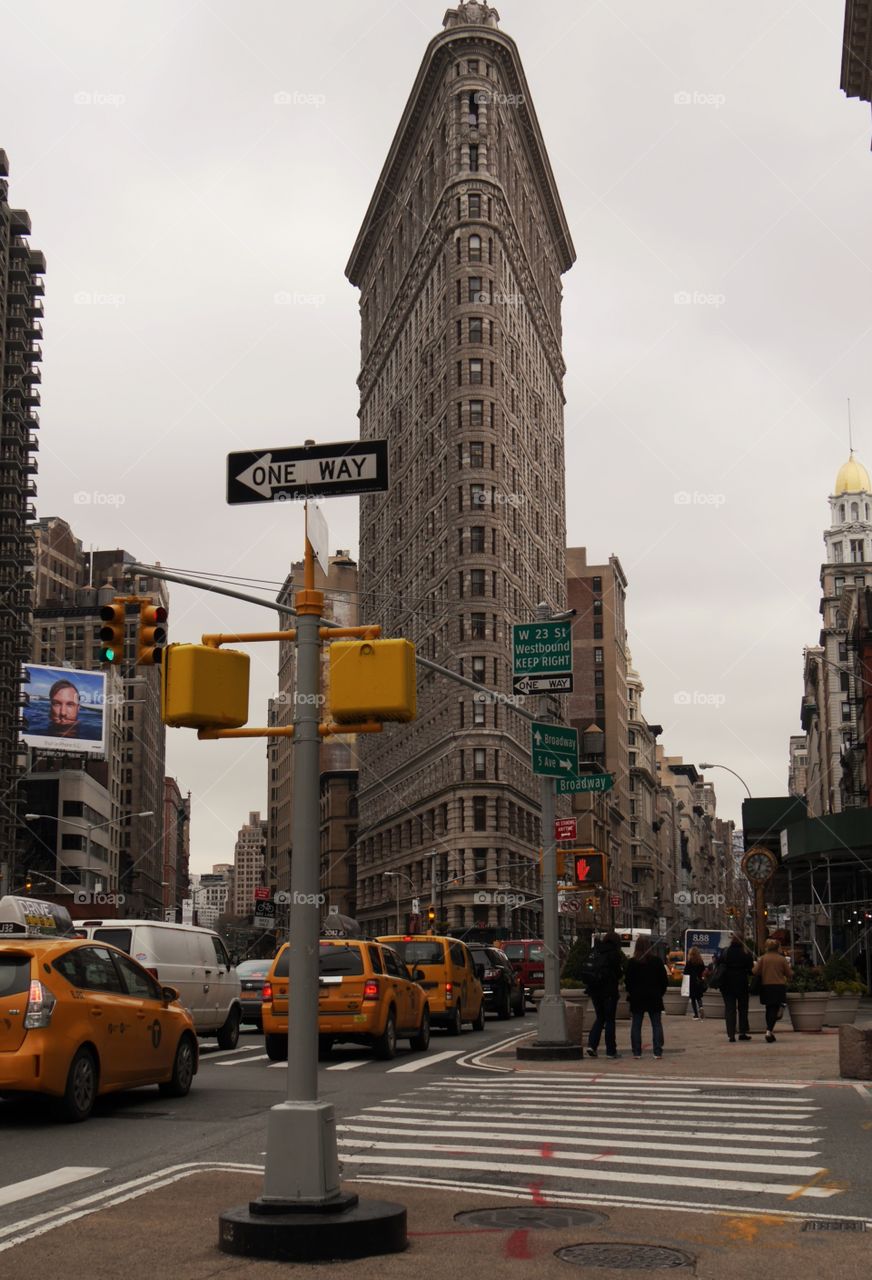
735	964
646	982
774	972
602	974
694	969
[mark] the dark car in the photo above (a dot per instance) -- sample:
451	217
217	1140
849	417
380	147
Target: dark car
503	989
252	975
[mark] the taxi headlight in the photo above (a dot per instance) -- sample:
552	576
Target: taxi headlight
40	1006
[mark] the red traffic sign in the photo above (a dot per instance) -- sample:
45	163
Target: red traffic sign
615	899
261	895
565	828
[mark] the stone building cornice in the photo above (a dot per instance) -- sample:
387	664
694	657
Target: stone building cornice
441	50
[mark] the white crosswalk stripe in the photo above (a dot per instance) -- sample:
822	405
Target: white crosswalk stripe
575	1136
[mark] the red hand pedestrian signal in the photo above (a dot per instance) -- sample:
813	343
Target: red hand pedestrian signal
589	868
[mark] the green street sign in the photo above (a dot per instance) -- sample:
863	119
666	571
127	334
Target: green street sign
586	782
541	649
554	750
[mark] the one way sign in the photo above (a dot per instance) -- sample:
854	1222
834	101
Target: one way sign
310	471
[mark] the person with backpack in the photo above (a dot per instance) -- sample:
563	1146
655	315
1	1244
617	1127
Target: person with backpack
601	976
646	982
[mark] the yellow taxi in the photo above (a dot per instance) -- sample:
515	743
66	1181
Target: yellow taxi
366	995
675	962
449	978
79	1019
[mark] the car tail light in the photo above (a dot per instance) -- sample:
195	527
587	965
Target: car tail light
40	1003
267	992
370	989
449	989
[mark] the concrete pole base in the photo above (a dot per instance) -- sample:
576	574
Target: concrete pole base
553	1051
366	1229
302	1164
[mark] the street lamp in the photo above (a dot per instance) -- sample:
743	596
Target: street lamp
729	770
89	827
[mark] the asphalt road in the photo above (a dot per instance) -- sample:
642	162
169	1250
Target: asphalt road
461	1119
223	1118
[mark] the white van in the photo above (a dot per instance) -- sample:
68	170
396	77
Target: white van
193	960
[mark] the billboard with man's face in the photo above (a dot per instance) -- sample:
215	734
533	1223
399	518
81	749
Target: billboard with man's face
65	710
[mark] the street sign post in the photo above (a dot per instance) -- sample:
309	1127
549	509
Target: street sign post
307	471
615	899
542	657
264	914
554	750
565	829
585	782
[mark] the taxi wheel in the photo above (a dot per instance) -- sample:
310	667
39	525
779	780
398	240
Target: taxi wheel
81	1091
228	1036
455	1026
276	1047
521	1011
478	1024
422	1039
505	1010
183	1071
325	1047
385	1045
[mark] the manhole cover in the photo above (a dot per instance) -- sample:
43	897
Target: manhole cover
624	1257
835	1224
532	1217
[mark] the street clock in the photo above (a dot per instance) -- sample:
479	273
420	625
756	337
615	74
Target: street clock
759	865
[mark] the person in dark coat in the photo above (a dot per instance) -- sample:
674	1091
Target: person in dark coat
694	969
605	966
738	963
646	983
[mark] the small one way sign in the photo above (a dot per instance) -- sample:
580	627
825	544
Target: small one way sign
308	471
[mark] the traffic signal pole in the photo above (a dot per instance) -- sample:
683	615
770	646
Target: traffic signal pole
302	1166
552	1011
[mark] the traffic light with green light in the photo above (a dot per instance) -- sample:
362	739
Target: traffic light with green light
152	635
112	633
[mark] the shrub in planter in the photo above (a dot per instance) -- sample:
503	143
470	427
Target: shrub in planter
807	981
844	1003
574	963
807	995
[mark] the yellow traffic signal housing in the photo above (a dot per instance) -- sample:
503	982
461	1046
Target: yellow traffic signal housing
152	635
113	618
372	680
204	688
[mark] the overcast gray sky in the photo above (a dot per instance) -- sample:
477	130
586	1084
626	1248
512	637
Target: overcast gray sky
718	186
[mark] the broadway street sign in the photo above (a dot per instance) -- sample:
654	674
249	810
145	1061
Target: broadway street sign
587	782
281	475
542	657
554	750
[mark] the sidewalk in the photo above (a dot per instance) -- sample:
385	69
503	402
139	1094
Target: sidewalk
701	1050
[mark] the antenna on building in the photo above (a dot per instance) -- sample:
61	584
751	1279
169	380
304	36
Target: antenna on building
850	429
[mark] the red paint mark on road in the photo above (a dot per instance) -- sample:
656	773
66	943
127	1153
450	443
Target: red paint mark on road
518	1245
535	1189
546	1151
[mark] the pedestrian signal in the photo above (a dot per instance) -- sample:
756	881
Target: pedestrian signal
112	633
589	868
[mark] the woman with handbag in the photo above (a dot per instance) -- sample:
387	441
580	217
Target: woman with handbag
773	972
694	970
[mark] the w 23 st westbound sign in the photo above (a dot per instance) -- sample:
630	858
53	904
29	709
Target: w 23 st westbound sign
310	471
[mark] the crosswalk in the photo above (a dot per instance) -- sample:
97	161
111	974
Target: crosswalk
412	1063
570	1139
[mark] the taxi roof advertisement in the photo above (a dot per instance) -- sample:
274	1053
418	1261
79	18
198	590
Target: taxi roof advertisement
65	710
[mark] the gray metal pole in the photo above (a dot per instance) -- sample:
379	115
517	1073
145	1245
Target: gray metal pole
302	1165
552	1012
792	916
397	879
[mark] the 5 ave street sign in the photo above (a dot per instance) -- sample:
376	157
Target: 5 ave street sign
280	475
586	782
554	750
542	657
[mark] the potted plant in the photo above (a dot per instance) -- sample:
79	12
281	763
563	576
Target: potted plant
807	995
572	986
845	992
674	1003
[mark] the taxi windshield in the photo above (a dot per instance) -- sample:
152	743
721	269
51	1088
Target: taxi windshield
412	953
